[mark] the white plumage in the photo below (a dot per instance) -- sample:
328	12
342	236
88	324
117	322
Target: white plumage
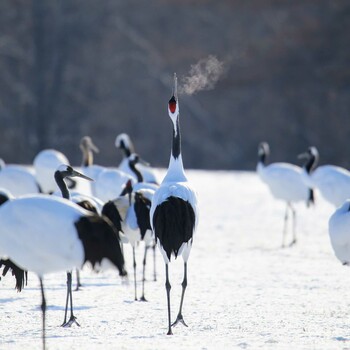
110	183
18	180
46	162
51	220
339	232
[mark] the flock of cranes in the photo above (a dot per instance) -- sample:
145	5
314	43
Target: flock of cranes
291	183
54	218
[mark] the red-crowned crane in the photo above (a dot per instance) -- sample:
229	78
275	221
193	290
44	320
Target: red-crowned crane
285	182
173	212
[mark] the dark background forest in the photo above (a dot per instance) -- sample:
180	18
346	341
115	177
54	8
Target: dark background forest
70	68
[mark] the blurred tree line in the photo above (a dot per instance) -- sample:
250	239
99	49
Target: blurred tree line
70	68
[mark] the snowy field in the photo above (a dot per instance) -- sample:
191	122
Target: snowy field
244	290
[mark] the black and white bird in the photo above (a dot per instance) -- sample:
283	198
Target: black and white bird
173	212
136	226
63	172
46	234
286	183
339	232
332	181
124	143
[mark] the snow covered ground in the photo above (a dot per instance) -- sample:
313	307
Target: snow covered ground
244	290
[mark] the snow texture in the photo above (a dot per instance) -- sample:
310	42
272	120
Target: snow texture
244	291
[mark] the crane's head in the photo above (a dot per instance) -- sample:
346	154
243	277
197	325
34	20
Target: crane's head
68	171
123	142
86	144
310	157
173	104
263	149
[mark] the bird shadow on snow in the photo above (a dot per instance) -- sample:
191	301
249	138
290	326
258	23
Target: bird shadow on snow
343	339
8	300
62	308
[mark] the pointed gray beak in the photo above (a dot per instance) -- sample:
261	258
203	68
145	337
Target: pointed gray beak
143	162
94	148
77	174
304	155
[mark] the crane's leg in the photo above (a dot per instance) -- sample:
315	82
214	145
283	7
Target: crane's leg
179	317
78	280
72	318
143	274
294	226
154	261
285	227
134	264
66	309
43	309
168	287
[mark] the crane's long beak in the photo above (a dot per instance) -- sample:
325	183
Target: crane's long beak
175	86
304	155
77	174
94	147
143	162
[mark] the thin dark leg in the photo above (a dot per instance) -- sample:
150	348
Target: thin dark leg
134	264
179	317
154	261
143	274
66	309
72	318
285	227
168	287
43	309
294	227
78	280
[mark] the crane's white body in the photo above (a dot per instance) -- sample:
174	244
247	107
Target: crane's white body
18	180
339	232
110	183
46	163
39	235
332	181
285	181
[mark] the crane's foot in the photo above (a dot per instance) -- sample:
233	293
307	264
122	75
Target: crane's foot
180	319
143	298
71	321
294	241
78	287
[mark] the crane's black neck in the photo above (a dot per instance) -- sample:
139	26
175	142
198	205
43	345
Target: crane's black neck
311	163
137	173
262	158
176	146
61	184
126	150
